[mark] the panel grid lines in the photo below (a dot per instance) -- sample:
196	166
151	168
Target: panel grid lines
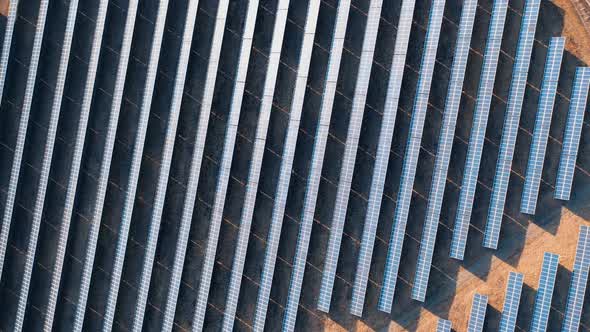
542	125
511	123
573	133
6	46
579	281
544	293
478	313
478	129
443	155
410	161
511	302
443	325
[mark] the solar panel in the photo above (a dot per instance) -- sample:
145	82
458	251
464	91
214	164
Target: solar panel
511	122
396	73
478	313
253	177
146	102
409	167
443	325
573	132
349	158
282	191
73	181
579	281
544	292
443	155
478	128
22	128
224	169
47	152
542	124
7	43
315	173
511	302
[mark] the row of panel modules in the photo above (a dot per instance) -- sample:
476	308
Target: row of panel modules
543	298
153	150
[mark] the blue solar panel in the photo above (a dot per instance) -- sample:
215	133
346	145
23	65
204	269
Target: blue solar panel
542	124
443	155
6	45
225	166
579	282
315	173
251	185
511	302
47	157
545	292
478	128
409	167
478	313
73	183
511	123
443	325
22	127
396	73
573	132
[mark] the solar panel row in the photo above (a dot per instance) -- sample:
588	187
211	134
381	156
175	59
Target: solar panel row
511	302
542	124
47	158
478	313
183	60
315	172
579	282
396	74
443	155
573	133
511	123
350	150
478	129
6	46
544	292
412	153
73	180
443	325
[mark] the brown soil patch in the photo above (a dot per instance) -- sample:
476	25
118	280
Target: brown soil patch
578	39
4	7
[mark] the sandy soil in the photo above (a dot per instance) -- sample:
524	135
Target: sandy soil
4	7
578	39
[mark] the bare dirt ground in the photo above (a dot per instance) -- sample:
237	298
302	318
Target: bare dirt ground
4	7
578	39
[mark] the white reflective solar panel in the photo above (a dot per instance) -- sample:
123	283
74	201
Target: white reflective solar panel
511	123
544	292
578	284
478	128
315	173
25	111
282	191
443	325
350	150
511	302
73	183
443	155
534	169
412	153
6	45
47	157
573	132
224	170
396	74
478	313
253	179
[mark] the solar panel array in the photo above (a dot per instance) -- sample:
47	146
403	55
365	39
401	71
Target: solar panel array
544	292
542	124
349	158
511	302
171	54
478	129
478	313
443	154
511	122
412	153
573	133
396	73
579	282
